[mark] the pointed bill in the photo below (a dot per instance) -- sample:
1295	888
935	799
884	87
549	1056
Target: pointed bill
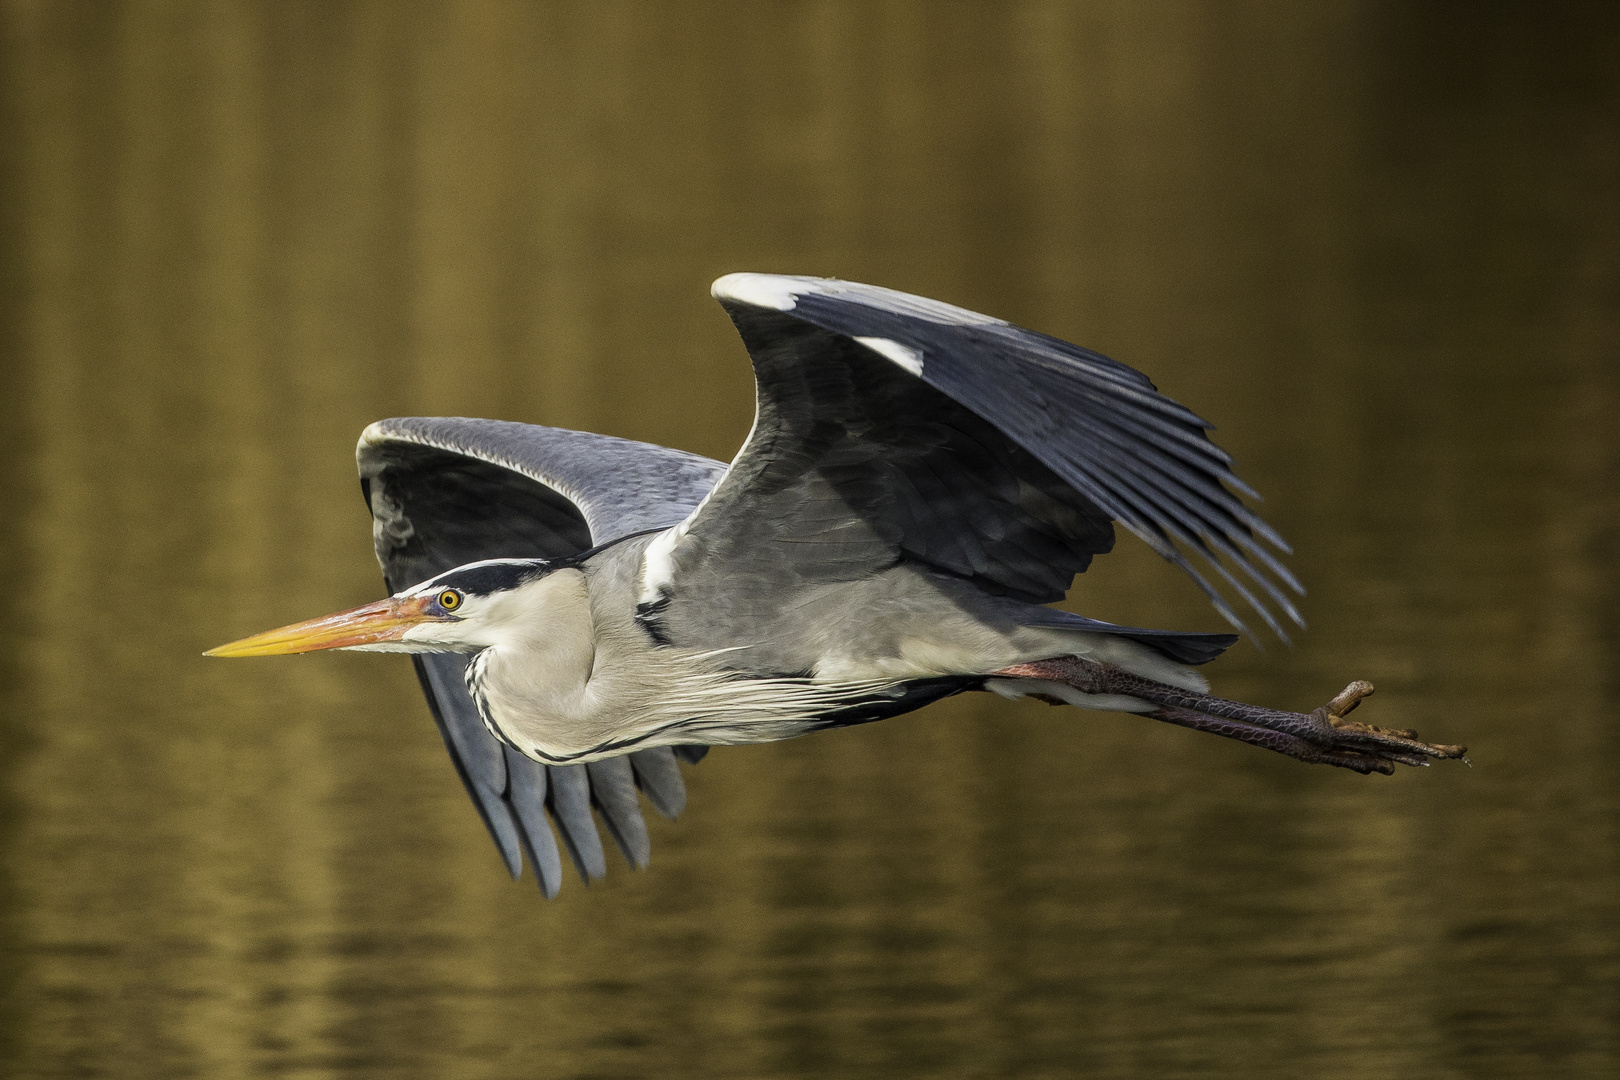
386	620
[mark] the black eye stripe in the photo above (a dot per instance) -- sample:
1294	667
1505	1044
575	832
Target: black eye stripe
493	577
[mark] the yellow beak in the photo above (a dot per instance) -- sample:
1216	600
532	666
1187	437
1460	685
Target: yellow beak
386	620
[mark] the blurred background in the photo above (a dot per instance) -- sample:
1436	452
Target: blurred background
1377	243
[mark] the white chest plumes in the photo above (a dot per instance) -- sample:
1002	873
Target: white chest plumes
676	697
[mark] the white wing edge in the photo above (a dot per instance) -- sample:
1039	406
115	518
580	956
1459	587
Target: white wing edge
781	292
658	560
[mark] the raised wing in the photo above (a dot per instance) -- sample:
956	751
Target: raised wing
449	491
890	426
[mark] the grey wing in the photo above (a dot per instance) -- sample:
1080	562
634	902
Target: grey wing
891	427
448	491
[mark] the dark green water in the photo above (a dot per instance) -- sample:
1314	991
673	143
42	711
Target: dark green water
1378	244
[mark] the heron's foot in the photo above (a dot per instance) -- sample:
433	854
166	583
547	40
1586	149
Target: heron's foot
1321	737
1335	740
1399	745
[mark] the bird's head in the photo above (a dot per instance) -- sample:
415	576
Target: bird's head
463	610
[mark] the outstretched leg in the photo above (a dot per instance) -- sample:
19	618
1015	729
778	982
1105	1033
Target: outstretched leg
1321	737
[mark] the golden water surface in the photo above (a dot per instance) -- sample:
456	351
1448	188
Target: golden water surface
1378	244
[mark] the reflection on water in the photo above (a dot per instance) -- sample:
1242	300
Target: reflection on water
1376	245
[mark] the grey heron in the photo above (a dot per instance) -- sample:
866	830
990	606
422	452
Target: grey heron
920	482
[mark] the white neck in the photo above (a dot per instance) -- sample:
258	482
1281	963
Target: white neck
542	653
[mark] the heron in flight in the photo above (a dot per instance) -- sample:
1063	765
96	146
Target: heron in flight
920	482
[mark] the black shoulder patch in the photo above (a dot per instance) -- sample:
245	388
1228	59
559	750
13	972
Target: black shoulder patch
493	577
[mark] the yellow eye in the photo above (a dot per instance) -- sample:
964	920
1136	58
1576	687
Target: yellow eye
449	600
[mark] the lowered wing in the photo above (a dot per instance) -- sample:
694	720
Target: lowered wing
448	491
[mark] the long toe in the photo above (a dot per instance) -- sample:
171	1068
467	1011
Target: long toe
1349	735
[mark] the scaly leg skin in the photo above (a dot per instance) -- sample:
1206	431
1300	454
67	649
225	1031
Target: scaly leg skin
1322	737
